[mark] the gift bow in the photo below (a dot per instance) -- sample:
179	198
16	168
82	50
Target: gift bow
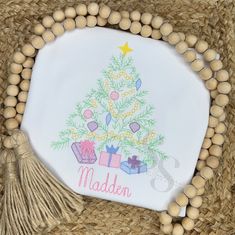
111	150
87	148
133	161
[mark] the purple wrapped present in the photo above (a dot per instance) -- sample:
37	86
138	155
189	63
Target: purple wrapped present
133	166
84	151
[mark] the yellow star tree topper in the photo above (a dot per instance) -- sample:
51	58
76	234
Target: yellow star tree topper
125	49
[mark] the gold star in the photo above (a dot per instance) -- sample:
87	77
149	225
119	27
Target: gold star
125	49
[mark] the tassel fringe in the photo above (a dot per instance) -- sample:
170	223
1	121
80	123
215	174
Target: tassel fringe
50	202
14	212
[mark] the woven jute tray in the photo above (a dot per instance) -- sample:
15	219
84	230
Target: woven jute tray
209	20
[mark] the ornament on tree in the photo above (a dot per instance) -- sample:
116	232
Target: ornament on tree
114	95
134	126
92	126
108	118
138	84
87	114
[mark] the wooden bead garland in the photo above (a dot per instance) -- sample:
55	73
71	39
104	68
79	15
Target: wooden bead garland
214	75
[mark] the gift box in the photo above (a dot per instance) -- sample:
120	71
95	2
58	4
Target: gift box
84	151
110	158
133	166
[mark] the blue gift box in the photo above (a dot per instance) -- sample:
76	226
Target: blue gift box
129	169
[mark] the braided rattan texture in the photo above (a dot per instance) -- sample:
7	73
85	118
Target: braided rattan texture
210	20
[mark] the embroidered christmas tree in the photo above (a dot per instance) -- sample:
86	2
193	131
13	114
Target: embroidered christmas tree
114	118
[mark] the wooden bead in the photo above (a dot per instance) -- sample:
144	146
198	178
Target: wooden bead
221	100
69	24
104	11
201	46
167	229
182	36
188	224
209	133
22	96
24	85
181	47
216	110
164	218
81	9
39	29
91	21
57	29
11	124
135	27
206	143
178	229
215	150
20	107
156	22
192	212
206	172
48	36
211	84
196	201
125	24
125	14
38	42
173	209
190	191
28	50
173	38
222	75
19	117
26	73
48	21
10	101
220	128
204	153
216	65
16	68
191	40
93	9
197	65
114	17
198	181
181	200
18	57
213	122
210	55
205	73
156	34
135	16
80	22
190	56
212	162
101	21
12	90
58	15
9	112
222	117
146	31
70	12
166	29
7	142
224	87
218	139
214	93
146	18
200	164
200	191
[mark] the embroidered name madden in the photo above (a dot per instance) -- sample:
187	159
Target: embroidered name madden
109	185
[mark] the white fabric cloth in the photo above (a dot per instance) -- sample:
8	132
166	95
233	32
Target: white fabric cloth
65	72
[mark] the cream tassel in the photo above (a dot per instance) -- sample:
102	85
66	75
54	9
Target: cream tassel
14	212
49	200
